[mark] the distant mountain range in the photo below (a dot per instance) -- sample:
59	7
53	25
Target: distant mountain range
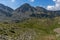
25	11
5	10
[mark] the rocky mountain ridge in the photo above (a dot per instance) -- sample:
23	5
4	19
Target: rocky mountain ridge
26	11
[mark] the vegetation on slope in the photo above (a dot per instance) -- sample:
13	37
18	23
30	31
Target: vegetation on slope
31	29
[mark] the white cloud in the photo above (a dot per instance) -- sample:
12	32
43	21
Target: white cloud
29	0
54	0
12	0
32	0
54	7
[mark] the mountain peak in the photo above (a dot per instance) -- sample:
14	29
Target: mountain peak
1	4
26	4
23	8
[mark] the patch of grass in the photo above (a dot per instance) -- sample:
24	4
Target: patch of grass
42	27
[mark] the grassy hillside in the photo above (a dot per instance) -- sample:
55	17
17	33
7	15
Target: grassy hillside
31	29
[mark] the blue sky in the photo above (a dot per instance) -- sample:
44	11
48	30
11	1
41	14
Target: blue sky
16	3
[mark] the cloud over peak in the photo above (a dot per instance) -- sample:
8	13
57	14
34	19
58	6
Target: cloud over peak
31	0
12	0
54	7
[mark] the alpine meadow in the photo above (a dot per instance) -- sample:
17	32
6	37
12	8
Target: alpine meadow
29	19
